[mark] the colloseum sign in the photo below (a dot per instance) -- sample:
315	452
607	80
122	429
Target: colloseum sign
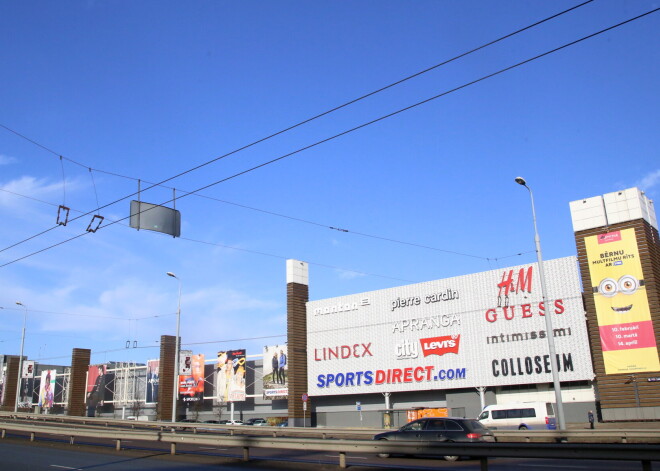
486	329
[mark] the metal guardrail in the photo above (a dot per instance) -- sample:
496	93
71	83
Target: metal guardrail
622	452
516	436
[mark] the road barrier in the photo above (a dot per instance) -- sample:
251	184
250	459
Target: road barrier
644	453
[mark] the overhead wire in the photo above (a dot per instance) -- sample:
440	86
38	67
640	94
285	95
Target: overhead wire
353	129
301	123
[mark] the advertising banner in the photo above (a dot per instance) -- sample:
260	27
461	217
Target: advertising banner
28	369
485	329
27	385
230	376
47	389
96	377
185	362
191	386
275	370
152	381
622	306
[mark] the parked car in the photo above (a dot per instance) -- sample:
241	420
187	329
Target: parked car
230	422
519	416
283	424
439	429
257	422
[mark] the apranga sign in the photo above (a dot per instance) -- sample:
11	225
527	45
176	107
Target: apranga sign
622	306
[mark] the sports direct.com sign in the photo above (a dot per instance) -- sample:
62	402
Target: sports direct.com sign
485	329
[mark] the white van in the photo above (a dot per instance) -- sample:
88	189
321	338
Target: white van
519	416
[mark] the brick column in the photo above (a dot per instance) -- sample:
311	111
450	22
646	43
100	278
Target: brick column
297	292
166	377
80	358
10	383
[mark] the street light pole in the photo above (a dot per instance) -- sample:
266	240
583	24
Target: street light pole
176	350
20	357
548	316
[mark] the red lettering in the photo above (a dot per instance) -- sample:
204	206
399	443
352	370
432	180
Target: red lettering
491	315
559	306
407	375
332	352
366	349
526	310
396	375
541	309
380	376
345	351
508	316
419	374
524	280
316	355
429	371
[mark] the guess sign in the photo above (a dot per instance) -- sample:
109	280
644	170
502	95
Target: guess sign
440	345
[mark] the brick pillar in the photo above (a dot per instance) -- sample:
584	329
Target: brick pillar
80	358
10	383
166	377
297	292
623	391
617	240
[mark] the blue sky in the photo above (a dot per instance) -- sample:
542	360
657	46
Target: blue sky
146	90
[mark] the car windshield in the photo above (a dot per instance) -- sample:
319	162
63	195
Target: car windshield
484	415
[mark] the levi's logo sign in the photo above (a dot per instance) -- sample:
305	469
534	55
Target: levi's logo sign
440	345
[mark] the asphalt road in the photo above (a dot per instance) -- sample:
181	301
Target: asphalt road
17	453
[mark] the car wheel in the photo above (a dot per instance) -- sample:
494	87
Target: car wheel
451	457
383	455
522	427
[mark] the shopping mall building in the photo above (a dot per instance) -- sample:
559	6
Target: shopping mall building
452	345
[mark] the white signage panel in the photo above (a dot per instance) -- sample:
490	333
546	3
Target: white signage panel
485	329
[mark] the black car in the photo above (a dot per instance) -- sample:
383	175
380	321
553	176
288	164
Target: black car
439	429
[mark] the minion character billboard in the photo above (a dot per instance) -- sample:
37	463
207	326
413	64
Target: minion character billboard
622	307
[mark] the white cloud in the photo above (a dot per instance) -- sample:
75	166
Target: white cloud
649	180
349	275
6	160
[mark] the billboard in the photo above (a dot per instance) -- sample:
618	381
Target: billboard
185	362
191	385
275	369
230	376
27	385
96	377
152	381
622	305
484	329
47	389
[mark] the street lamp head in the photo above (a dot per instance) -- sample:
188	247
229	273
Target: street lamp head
521	181
169	273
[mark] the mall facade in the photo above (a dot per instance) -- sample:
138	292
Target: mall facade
451	346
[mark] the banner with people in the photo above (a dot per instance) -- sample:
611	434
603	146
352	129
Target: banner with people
27	385
152	381
622	306
230	376
191	385
96	378
275	367
47	389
